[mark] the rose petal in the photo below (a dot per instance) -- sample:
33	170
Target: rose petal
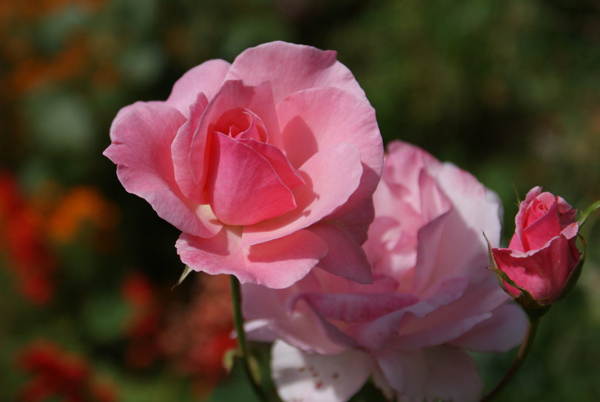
380	333
479	207
141	148
403	172
443	332
291	68
356	223
355	307
543	272
309	335
457	236
267	307
234	95
286	172
441	373
219	254
206	78
306	130
126	109
500	333
302	377
276	264
319	197
345	257
454	319
516	242
546	227
282	262
243	188
180	151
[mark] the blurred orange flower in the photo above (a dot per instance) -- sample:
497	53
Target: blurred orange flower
31	226
80	206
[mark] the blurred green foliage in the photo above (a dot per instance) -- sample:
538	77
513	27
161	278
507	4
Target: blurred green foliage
507	89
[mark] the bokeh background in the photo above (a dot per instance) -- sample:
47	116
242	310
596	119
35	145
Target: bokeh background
507	89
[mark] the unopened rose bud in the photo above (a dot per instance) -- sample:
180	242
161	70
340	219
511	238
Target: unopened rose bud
542	261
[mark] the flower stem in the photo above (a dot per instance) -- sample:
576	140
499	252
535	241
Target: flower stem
534	322
238	321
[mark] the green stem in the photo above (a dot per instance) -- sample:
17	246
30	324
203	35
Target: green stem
238	321
532	329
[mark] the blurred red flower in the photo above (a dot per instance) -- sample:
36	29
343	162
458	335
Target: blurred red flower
198	336
57	373
143	325
23	244
32	227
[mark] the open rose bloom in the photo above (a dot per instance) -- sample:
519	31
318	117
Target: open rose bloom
542	254
267	165
431	300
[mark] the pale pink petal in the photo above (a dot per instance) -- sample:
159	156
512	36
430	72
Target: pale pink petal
291	68
457	236
331	176
266	308
206	78
260	302
403	167
382	332
441	373
233	96
443	332
302	377
141	148
243	188
454	319
345	257
355	307
308	335
431	237
180	151
284	261
480	208
500	333
306	130
380	382
433	201
377	247
259	331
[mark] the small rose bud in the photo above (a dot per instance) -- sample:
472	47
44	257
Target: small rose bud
542	261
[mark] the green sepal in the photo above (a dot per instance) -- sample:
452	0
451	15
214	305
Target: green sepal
232	357
534	314
186	271
228	359
588	212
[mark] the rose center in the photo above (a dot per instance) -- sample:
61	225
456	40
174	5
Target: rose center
242	124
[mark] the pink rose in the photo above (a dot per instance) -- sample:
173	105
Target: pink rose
432	297
542	253
266	165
